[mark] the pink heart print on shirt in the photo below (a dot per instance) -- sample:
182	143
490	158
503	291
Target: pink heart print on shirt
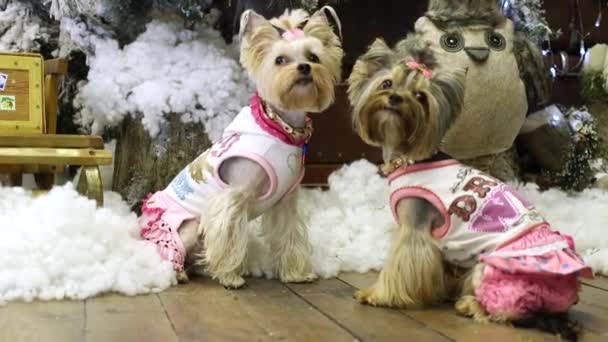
497	214
527	204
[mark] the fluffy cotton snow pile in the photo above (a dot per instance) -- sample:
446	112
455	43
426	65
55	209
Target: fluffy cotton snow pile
349	225
60	245
168	69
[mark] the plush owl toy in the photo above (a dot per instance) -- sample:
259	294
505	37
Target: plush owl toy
506	77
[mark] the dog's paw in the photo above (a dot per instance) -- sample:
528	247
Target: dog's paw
182	277
232	282
299	278
370	296
470	307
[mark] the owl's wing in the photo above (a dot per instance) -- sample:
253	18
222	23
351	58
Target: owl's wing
533	71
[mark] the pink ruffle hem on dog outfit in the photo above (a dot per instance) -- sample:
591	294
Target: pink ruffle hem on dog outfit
528	266
251	135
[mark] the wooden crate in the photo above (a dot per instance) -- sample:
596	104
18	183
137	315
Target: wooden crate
21	93
28	143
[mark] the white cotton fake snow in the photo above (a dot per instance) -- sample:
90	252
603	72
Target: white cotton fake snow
59	245
166	70
350	225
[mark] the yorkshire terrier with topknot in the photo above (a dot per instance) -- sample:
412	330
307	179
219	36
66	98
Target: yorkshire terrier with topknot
257	166
462	233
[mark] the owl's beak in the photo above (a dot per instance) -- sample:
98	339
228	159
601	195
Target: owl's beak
478	54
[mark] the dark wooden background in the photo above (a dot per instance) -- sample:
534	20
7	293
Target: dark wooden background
334	142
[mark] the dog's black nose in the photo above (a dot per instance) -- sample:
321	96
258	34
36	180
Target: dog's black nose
395	100
304	69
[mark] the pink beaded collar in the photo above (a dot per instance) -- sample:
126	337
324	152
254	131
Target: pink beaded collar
275	126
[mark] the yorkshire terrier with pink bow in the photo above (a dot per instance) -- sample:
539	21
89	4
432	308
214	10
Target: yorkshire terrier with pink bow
461	233
257	166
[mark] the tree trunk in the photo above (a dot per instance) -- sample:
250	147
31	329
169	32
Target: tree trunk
143	164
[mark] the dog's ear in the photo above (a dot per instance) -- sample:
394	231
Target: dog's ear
452	83
379	56
250	20
413	47
448	90
327	15
424	55
424	25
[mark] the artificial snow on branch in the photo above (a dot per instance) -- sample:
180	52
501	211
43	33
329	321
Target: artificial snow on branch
71	8
20	29
111	11
578	171
529	18
308	5
122	14
189	9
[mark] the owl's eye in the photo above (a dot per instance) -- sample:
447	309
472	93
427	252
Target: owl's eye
452	41
386	84
495	41
280	60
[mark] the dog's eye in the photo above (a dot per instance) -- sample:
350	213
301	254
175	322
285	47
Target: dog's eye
420	96
313	58
280	60
386	84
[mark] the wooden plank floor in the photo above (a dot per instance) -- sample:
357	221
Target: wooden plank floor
268	311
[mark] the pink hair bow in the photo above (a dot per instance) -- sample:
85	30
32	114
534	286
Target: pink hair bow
421	67
293	34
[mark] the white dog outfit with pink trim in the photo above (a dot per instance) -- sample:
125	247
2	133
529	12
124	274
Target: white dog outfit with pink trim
480	212
252	135
528	266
